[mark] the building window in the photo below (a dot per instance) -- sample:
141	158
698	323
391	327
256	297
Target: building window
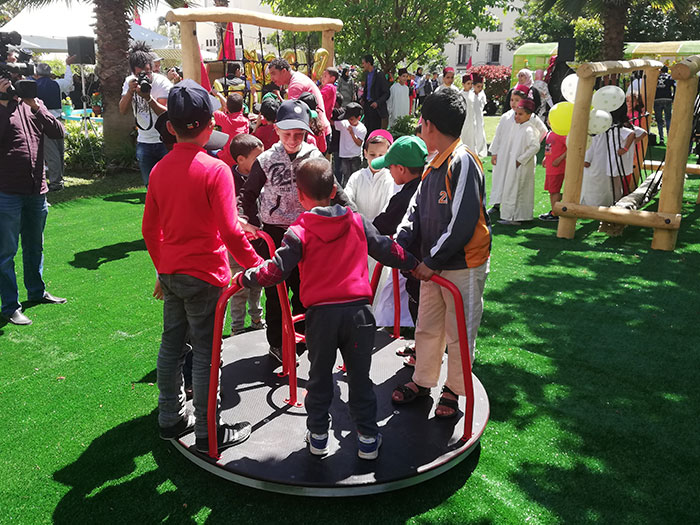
499	28
464	51
494	54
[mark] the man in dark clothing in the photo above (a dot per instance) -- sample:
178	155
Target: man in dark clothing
663	101
23	207
374	96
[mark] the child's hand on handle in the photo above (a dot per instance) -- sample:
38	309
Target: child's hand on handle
251	231
423	272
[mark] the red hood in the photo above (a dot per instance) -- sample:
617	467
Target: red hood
327	223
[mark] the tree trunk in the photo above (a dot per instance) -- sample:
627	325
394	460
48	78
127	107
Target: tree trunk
220	26
614	21
112	31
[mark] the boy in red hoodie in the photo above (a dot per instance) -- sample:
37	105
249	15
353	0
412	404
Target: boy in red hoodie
233	123
189	222
337	299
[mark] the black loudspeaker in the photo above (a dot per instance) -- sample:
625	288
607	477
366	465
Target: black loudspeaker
83	47
566	50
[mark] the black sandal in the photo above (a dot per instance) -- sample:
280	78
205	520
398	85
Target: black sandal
409	395
448	403
406	351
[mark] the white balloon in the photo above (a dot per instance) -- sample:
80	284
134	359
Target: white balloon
608	98
568	87
599	121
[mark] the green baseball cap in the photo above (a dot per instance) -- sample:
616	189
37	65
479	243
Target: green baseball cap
409	151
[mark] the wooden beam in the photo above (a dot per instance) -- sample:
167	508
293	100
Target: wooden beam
648	219
686	69
611	67
328	43
242	16
191	57
671	196
692	169
576	153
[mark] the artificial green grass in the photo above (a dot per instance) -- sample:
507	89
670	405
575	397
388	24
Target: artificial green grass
586	350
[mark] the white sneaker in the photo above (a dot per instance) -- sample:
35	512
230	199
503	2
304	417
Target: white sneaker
318	443
368	446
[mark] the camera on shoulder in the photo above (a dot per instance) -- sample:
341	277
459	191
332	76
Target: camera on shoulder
15	71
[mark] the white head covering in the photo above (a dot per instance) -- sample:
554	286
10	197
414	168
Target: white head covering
528	74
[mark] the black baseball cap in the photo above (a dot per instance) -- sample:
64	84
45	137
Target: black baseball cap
293	114
189	105
217	140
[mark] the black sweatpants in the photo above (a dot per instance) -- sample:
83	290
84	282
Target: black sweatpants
349	327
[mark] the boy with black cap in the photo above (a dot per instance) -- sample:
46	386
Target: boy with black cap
271	193
188	223
448	217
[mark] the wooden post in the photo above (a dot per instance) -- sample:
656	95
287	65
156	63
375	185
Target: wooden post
576	152
328	43
671	197
191	57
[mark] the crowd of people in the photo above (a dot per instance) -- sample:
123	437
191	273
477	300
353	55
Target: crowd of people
314	167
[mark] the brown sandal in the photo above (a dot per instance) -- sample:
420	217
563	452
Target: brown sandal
447	403
409	395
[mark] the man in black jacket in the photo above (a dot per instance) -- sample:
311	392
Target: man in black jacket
374	96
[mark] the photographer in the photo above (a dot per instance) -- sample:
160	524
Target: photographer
23	208
147	94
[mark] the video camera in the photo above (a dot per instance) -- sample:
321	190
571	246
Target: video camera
144	82
14	71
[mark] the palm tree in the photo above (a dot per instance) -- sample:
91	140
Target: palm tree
613	14
112	36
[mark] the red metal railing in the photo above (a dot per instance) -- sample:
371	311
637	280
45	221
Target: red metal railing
463	340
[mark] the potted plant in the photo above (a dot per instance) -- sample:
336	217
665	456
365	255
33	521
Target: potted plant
96	101
67	106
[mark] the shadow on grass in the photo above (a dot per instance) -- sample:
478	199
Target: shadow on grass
129	475
93	259
78	187
129	198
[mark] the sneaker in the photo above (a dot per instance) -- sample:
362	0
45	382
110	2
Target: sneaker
184	426
227	436
368	446
494	209
257	325
549	217
318	443
276	352
509	223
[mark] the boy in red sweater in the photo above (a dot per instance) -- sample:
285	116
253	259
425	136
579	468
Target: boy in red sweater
337	299
233	123
189	222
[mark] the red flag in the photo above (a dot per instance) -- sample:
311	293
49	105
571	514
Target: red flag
469	64
227	50
137	17
204	82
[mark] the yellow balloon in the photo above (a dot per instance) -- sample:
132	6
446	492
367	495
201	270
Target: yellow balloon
560	117
269	57
289	56
251	57
303	63
320	63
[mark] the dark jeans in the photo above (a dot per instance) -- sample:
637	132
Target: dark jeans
662	114
21	216
349	327
273	311
413	291
148	156
188	308
348	166
372	119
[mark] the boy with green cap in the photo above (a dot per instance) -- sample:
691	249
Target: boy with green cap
405	161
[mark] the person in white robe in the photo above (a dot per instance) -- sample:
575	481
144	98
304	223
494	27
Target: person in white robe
481	148
468	135
398	104
518	201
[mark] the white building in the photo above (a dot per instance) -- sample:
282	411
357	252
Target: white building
487	47
206	31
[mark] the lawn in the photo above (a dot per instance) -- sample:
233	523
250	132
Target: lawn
586	351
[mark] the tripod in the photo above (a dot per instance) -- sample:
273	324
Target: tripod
86	123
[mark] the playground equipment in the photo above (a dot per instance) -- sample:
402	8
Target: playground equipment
254	64
665	221
276	458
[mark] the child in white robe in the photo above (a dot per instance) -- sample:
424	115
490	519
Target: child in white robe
469	127
398	104
480	146
518	201
501	148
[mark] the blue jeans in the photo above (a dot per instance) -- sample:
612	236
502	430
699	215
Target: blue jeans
148	156
188	303
662	114
25	216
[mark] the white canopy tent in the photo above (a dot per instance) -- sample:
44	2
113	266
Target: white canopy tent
45	29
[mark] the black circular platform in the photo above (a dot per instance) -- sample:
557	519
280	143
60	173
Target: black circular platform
416	446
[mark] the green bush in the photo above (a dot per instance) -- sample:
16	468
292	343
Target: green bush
84	153
589	39
405	125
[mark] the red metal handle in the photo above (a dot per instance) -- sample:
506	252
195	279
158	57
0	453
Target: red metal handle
464	352
397	303
212	402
